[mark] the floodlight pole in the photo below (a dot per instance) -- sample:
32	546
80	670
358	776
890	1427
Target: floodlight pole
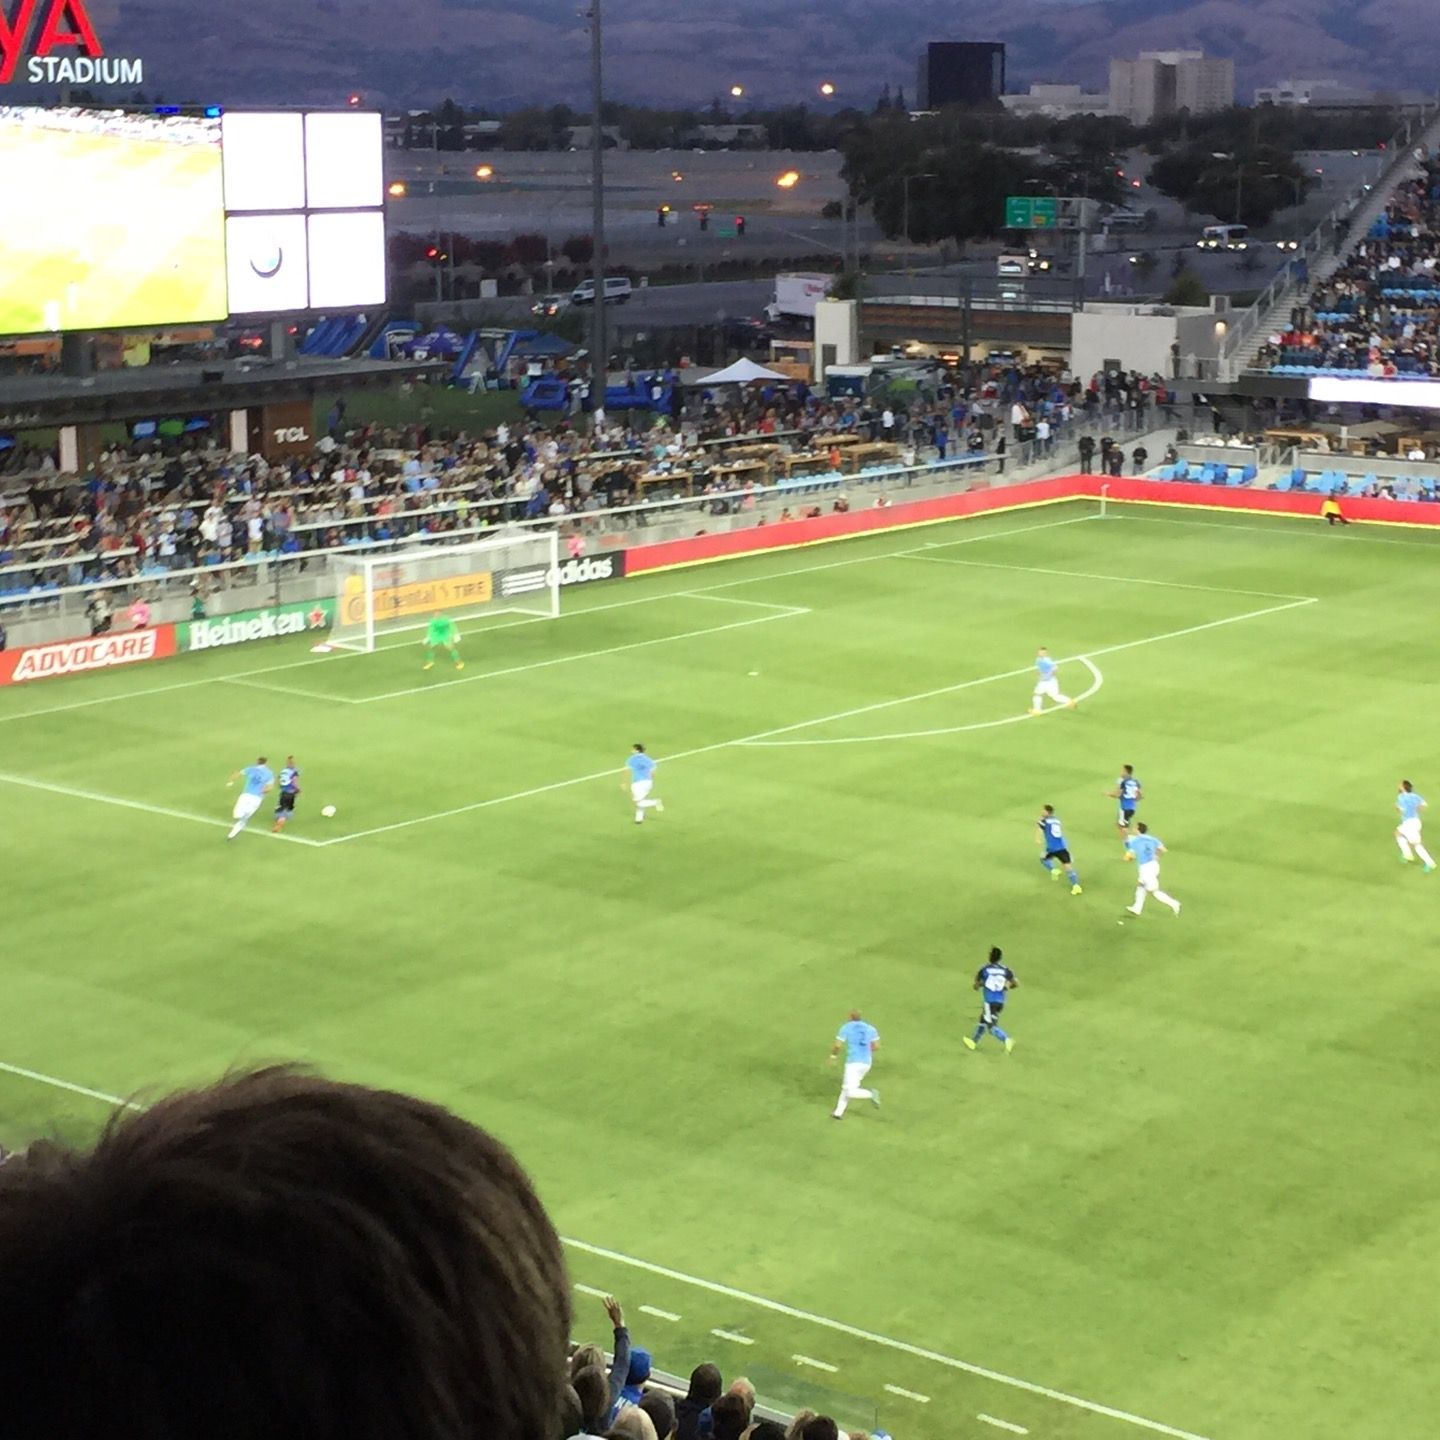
599	348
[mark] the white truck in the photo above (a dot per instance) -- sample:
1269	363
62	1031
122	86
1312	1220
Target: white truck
796	296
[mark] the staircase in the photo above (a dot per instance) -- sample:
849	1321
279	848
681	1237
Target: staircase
1325	248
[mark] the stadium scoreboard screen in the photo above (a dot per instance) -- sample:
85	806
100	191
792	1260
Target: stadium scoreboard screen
115	219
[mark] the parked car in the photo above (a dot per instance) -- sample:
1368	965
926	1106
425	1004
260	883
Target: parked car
618	290
1224	237
550	305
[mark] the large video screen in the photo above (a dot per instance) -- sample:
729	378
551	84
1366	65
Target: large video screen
344	160
264	161
347	259
109	219
266	265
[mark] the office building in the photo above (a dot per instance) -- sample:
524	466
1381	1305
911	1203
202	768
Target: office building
960	72
1164	82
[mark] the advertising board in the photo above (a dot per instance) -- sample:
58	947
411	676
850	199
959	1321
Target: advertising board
75	657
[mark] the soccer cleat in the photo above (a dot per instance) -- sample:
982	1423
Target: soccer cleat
428	665
1406	859
1429	868
1075	889
875	1098
1131	910
659	807
1034	710
1070	704
1177	907
836	1115
1009	1043
459	664
967	1042
1054	873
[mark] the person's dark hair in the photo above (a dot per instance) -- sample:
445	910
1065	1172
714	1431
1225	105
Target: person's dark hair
729	1417
592	1385
280	1256
661	1410
767	1430
705	1383
822	1427
1142	827
571	1415
996	954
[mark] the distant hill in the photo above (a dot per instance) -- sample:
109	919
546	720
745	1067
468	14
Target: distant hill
667	53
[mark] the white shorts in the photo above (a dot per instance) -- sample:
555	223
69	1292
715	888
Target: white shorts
1409	830
1149	875
639	789
246	806
855	1073
1049	688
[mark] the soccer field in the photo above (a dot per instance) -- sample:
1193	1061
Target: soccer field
1199	1199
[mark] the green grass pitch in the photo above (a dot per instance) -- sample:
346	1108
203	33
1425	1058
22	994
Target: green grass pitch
1198	1200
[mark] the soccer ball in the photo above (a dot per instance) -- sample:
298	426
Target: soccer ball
328	811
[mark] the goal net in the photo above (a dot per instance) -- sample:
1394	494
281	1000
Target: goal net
506	573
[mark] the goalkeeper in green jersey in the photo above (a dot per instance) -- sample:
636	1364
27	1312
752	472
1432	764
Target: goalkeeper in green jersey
441	634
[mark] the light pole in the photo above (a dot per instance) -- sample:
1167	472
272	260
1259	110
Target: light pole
905	204
599	347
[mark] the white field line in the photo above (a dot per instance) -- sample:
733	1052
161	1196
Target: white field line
1116	579
1280	528
589	1290
736	600
659	1314
816	1364
1097	680
54	1080
327	696
905	1394
765	735
705	591
776	1307
903	1347
786	614
76	794
1009	1425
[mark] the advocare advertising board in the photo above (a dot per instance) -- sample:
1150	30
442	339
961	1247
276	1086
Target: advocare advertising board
55	42
270	623
75	657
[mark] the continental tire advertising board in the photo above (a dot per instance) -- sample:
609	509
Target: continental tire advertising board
578	570
266	624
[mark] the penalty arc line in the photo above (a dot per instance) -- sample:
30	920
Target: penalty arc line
855	1332
729	1292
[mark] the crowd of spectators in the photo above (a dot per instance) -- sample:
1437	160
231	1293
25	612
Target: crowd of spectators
284	1257
1379	312
141	512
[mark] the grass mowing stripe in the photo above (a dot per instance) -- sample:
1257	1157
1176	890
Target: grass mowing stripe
840	1327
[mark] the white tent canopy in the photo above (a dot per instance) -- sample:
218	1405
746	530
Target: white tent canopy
742	372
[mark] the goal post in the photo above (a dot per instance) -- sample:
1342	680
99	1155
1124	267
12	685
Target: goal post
378	594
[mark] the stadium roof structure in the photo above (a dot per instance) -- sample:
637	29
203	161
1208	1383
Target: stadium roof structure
142	391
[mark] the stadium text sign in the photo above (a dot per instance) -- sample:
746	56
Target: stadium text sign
578	570
453	592
73	657
247	625
59	44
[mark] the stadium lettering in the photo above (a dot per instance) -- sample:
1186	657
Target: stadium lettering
77	655
66	25
266	625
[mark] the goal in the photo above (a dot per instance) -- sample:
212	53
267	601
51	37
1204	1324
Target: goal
381	594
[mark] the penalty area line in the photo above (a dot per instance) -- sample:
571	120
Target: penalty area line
74	793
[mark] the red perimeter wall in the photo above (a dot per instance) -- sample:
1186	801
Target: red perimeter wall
698	549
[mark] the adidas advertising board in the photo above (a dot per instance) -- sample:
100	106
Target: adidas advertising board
579	570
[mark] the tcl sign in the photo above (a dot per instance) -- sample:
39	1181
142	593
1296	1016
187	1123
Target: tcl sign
60	46
74	657
291	435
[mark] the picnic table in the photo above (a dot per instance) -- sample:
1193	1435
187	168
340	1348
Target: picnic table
741	470
871	453
805	462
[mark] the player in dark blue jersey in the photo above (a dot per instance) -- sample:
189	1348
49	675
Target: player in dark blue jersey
994	980
1051	834
1128	793
289	792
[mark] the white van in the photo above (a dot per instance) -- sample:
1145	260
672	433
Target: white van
1224	237
617	291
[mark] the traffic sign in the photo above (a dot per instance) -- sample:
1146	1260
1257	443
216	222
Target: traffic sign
1031	212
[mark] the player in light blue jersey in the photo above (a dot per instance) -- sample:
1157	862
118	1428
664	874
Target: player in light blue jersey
1047	683
1407	832
258	779
1128	793
640	776
1145	850
995	980
860	1040
1051	834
